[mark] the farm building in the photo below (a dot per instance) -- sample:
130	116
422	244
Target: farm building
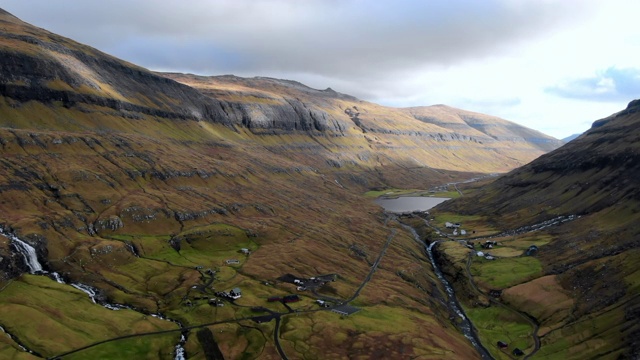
236	293
345	310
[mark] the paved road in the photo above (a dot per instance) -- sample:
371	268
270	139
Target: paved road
276	339
373	267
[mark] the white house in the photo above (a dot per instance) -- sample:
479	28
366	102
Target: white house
236	293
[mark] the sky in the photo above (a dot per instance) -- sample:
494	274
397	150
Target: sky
551	65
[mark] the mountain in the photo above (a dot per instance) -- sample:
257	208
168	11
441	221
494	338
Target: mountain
157	194
582	287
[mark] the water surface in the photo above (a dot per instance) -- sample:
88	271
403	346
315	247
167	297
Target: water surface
409	203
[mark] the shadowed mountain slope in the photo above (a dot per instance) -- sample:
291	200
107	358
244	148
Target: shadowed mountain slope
594	257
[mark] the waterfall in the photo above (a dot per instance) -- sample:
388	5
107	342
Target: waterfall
26	250
57	278
180	353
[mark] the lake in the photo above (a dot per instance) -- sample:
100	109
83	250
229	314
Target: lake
409	203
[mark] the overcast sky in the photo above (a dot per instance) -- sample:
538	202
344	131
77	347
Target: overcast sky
555	66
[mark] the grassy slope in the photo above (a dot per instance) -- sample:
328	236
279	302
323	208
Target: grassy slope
586	293
50	318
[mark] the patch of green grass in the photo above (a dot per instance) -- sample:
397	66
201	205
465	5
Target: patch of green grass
207	246
256	341
522	242
146	275
445	194
393	192
52	318
505	272
143	347
499	324
10	350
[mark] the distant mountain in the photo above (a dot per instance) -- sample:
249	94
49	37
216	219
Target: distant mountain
593	257
483	127
570	137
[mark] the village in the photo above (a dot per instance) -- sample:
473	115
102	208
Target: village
207	292
482	248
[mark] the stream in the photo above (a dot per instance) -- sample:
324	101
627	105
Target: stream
464	324
179	350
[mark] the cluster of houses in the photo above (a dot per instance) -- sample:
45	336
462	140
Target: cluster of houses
216	302
232	294
489	244
456	228
485	255
300	284
503	346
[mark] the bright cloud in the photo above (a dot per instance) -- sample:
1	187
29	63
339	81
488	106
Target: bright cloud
612	84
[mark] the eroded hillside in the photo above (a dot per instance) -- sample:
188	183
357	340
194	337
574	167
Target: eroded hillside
164	195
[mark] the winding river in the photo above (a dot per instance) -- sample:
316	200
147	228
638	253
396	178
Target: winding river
464	324
410	204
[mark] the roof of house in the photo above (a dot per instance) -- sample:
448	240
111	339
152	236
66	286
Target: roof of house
345	309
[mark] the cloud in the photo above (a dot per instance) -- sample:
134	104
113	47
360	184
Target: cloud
612	84
348	39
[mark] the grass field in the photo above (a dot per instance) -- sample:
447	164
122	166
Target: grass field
497	324
505	272
52	318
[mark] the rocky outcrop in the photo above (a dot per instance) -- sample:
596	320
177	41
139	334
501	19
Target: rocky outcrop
112	223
